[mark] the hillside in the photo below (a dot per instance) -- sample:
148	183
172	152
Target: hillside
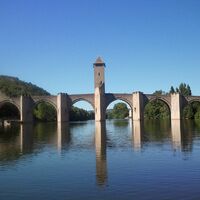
12	87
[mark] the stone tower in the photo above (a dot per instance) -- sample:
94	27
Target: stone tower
99	93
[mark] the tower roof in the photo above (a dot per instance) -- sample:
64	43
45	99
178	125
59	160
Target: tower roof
99	61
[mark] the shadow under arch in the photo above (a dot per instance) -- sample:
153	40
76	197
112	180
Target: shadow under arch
154	107
9	110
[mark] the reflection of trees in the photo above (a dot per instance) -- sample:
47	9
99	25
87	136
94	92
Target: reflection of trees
9	144
121	123
156	130
187	135
189	130
15	141
26	137
45	132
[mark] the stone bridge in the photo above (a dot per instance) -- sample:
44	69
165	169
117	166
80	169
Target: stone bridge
99	100
63	103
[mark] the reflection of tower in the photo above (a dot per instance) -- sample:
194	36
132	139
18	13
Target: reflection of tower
26	137
137	133
63	135
100	144
176	134
99	94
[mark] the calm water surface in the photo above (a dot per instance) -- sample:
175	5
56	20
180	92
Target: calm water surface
88	160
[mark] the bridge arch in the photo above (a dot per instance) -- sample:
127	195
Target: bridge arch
111	97
193	101
81	109
158	99
119	100
83	100
45	101
49	112
12	108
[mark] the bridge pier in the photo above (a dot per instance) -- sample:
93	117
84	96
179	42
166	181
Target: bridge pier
62	108
138	106
99	105
26	109
176	105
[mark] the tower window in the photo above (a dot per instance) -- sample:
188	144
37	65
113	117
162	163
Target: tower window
99	74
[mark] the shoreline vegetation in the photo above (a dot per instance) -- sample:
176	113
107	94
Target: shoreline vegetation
44	112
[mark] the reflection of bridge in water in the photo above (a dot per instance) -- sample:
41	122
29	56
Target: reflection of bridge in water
61	139
99	101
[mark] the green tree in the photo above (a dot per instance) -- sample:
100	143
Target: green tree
192	111
184	89
172	90
188	112
78	114
12	86
44	112
159	92
119	111
156	110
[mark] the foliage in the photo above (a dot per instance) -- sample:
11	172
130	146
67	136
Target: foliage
183	89
156	110
119	111
172	90
78	114
44	112
13	87
192	111
159	92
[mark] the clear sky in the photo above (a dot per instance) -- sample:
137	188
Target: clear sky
146	44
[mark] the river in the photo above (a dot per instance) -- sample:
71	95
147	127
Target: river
113	160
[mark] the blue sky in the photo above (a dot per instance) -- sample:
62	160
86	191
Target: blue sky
146	44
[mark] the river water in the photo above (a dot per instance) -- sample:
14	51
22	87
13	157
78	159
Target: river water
113	160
